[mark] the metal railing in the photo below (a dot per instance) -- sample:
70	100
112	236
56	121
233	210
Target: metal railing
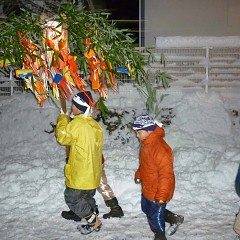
10	85
203	67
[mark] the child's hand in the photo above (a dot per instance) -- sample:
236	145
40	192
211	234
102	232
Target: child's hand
62	112
137	180
160	202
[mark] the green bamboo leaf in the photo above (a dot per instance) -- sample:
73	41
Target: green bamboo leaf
32	82
104	110
113	44
54	100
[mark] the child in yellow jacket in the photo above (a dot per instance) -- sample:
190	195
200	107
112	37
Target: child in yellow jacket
83	169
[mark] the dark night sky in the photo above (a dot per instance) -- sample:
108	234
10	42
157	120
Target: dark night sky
123	9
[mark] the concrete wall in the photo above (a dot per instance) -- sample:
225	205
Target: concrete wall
191	18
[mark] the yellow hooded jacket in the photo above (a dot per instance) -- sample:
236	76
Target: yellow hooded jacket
83	170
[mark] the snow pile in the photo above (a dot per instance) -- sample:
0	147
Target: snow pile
197	41
207	155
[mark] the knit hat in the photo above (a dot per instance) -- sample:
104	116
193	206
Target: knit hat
145	122
83	101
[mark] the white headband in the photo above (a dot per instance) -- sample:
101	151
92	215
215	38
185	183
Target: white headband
79	101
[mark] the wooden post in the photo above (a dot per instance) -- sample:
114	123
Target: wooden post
63	103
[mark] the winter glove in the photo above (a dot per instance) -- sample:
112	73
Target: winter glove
71	115
137	180
159	202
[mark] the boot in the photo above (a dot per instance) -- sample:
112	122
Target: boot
116	210
160	236
93	224
172	218
70	215
176	221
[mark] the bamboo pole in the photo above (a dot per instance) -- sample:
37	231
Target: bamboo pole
64	108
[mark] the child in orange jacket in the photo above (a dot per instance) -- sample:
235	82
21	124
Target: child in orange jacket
155	173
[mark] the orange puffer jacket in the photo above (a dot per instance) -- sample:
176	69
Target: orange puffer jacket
156	167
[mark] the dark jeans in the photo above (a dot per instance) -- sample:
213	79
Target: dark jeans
81	202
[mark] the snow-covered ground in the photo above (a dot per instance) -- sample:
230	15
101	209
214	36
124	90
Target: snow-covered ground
198	41
204	134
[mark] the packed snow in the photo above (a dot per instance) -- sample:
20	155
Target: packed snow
202	129
197	41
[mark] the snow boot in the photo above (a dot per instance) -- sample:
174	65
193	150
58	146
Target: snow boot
116	210
93	224
160	236
174	226
70	215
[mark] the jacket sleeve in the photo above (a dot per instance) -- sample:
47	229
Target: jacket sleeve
137	174
63	133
